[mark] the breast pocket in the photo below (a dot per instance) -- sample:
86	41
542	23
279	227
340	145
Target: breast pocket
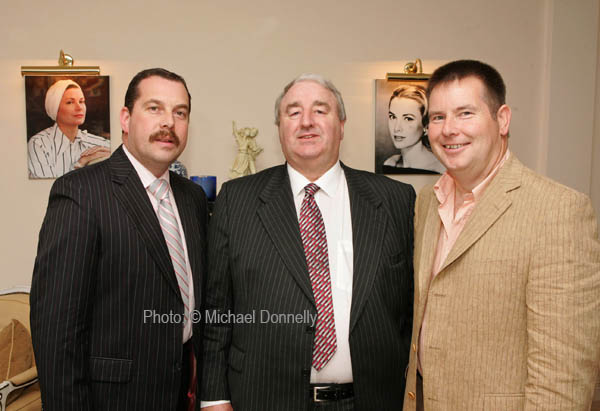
395	282
396	260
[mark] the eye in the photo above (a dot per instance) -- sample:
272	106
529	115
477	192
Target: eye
436	118
409	118
153	109
465	113
391	116
181	114
294	113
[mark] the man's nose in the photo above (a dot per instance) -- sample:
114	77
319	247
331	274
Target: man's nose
449	126
167	120
307	119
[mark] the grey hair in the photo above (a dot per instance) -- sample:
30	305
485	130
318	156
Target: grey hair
317	78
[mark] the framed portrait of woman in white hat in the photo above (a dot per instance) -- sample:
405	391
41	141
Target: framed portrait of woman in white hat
68	123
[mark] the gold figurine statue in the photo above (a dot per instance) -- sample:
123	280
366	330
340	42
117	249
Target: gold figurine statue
248	150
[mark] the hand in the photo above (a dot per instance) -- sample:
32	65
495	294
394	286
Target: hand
92	155
220	407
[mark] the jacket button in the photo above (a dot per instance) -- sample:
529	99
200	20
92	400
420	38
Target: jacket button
412	395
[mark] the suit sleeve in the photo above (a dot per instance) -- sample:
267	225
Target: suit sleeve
61	297
218	299
563	308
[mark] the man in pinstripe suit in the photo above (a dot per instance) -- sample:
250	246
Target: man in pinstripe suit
262	319
507	266
109	289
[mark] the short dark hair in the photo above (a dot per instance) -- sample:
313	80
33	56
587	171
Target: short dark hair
133	90
495	90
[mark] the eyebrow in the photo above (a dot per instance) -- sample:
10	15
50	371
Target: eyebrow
156	101
292	105
460	108
466	107
321	103
183	105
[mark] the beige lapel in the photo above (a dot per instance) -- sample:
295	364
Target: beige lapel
426	250
492	205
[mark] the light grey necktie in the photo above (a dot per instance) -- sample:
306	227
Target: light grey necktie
168	223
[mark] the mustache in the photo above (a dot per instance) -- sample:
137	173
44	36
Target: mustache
158	135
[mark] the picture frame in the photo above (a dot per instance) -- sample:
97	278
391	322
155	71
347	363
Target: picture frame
401	141
72	139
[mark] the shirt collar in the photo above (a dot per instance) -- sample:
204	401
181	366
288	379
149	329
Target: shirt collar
328	182
445	185
65	142
145	175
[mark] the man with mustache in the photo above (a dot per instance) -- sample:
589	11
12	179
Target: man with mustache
119	267
309	289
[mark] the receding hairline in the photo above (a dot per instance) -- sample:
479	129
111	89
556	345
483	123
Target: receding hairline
320	80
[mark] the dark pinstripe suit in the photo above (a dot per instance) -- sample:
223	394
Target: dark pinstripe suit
102	260
256	262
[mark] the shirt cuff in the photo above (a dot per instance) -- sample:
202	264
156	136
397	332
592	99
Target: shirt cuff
211	403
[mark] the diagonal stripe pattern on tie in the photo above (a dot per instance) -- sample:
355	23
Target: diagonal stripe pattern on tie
170	228
314	240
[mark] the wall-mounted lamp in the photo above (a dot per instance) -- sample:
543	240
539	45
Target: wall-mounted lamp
65	66
412	71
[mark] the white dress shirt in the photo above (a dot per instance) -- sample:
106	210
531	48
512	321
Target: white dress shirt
334	203
148	178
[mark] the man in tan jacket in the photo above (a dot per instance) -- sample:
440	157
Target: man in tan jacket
507	267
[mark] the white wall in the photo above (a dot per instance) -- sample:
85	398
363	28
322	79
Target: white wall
237	55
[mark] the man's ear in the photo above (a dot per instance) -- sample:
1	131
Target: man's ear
503	115
342	129
125	116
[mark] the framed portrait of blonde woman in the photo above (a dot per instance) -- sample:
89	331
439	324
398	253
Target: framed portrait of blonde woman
68	123
401	142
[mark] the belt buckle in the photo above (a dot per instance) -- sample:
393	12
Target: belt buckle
316	390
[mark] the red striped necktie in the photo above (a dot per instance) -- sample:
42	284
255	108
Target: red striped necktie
314	240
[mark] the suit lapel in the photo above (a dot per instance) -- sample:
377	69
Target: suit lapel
130	192
431	232
368	224
492	205
278	216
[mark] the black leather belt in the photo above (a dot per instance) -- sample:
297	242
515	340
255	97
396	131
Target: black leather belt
331	392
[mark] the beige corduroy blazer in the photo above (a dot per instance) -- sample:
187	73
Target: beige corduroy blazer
513	317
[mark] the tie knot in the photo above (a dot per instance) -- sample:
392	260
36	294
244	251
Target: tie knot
159	189
311	189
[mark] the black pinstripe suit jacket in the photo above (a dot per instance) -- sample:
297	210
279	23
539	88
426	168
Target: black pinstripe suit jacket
256	262
102	261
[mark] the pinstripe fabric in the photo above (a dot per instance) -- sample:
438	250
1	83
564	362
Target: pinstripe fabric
256	262
513	317
102	260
